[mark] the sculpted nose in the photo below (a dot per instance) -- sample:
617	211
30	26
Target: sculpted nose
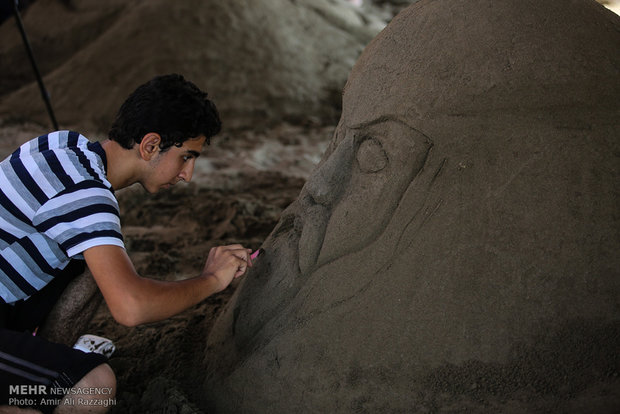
329	180
318	191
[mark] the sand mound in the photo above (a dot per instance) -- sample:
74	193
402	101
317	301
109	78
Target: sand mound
261	61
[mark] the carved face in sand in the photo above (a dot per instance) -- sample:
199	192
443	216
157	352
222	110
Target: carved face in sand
350	198
347	203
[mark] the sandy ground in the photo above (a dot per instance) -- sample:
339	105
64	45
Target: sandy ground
241	184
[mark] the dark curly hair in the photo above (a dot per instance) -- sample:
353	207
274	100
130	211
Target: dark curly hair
170	106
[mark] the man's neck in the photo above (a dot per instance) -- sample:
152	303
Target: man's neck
122	168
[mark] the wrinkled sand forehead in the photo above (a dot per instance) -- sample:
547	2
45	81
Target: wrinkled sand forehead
437	57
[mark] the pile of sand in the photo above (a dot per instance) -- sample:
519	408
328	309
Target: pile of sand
261	62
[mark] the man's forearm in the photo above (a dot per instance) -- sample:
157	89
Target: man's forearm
134	300
155	300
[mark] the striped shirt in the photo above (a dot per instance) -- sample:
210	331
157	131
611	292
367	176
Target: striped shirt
55	202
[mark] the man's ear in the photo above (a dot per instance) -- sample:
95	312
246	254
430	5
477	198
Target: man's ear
149	146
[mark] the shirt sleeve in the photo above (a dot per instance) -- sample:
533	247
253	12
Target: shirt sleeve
80	218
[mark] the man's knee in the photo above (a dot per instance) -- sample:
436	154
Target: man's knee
96	391
102	376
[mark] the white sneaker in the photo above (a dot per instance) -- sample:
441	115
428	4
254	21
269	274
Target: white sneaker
96	344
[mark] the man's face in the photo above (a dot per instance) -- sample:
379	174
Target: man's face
173	165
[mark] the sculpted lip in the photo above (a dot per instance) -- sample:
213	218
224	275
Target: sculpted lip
315	219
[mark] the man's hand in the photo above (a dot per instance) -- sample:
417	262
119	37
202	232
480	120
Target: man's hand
226	263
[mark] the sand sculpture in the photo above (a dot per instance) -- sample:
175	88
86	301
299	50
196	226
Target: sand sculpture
457	246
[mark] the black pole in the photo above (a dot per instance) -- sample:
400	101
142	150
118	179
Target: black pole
44	94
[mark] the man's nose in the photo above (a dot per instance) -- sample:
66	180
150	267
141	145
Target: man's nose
187	172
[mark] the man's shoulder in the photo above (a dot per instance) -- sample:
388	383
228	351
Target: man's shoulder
57	140
67	155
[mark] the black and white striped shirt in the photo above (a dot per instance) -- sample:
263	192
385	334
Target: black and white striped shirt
55	202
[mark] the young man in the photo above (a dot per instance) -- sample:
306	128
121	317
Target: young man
57	210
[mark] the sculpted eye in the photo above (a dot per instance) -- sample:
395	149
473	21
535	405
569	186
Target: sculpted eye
371	157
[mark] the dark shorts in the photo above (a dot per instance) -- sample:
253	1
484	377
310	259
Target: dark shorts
36	373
